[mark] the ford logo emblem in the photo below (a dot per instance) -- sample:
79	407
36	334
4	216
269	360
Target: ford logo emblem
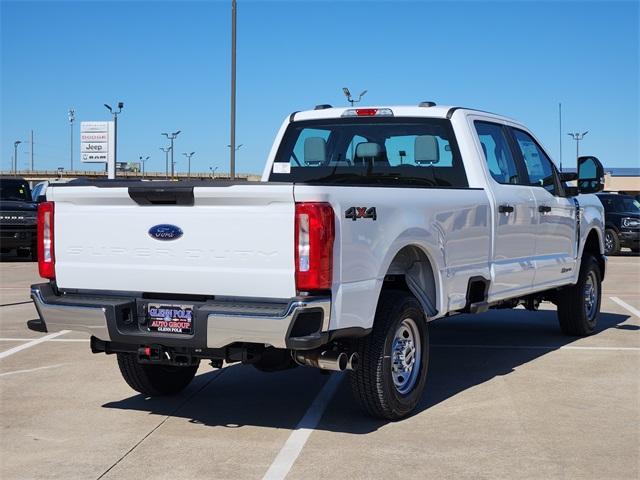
165	232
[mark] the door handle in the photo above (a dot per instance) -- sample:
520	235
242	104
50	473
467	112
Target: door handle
544	208
505	209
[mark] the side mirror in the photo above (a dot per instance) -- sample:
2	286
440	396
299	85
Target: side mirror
590	175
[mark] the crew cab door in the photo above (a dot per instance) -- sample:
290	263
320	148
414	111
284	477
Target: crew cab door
514	214
555	237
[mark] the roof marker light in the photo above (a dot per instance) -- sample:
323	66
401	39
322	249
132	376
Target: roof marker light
368	112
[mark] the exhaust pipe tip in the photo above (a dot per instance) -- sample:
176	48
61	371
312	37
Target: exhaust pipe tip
354	362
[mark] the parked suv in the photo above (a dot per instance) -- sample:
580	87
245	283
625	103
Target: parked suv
17	217
622	222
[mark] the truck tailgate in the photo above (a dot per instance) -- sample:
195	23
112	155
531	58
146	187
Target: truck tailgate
236	241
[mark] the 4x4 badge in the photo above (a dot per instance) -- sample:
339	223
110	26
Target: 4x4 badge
354	213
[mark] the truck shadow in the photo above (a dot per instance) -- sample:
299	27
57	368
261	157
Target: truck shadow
466	351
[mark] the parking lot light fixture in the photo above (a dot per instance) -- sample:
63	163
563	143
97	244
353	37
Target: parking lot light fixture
166	155
171	137
111	169
189	155
578	137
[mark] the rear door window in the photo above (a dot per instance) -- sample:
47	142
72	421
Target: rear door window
495	146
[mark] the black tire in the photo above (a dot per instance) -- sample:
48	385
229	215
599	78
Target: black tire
373	383
577	315
154	380
611	242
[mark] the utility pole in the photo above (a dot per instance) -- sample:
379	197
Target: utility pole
189	155
172	137
72	117
15	156
578	137
166	155
232	153
32	150
560	132
111	166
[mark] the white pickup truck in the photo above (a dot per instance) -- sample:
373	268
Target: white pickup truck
368	223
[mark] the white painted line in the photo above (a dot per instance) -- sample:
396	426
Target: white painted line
538	347
9	339
32	343
31	369
294	444
625	305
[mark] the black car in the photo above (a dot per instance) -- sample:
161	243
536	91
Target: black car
622	222
18	214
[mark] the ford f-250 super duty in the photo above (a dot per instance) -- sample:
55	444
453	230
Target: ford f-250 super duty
368	224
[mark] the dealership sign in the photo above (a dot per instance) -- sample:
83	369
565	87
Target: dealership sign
96	142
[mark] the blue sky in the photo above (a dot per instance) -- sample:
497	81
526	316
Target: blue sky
169	63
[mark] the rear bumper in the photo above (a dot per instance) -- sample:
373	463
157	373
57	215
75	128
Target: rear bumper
298	323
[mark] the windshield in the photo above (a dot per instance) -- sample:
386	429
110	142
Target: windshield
373	151
14	190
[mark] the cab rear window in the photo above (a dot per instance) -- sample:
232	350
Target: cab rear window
371	151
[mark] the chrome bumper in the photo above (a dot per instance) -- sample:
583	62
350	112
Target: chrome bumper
217	324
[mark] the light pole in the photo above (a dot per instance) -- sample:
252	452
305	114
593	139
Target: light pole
111	166
172	137
166	159
143	161
213	172
189	155
15	155
232	153
350	99
72	118
577	137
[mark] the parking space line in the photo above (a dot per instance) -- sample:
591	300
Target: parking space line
30	344
294	444
31	369
16	303
537	347
626	306
15	339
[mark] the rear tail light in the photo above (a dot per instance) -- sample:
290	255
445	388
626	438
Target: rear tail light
46	258
314	235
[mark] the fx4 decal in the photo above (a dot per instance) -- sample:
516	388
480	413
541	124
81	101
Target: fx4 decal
354	213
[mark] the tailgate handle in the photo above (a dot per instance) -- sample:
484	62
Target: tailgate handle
149	196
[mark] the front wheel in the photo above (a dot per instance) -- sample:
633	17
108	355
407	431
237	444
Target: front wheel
154	380
394	357
579	304
611	242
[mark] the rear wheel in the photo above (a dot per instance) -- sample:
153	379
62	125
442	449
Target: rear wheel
611	242
579	304
154	380
394	357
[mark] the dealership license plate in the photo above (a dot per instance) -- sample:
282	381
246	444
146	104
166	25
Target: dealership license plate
164	318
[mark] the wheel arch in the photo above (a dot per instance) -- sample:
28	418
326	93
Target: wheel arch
414	269
594	245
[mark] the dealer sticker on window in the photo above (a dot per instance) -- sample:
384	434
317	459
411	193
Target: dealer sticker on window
170	318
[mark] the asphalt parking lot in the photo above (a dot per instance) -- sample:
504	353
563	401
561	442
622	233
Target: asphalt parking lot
508	396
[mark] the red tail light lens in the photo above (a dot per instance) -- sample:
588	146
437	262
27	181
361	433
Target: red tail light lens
314	236
46	258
